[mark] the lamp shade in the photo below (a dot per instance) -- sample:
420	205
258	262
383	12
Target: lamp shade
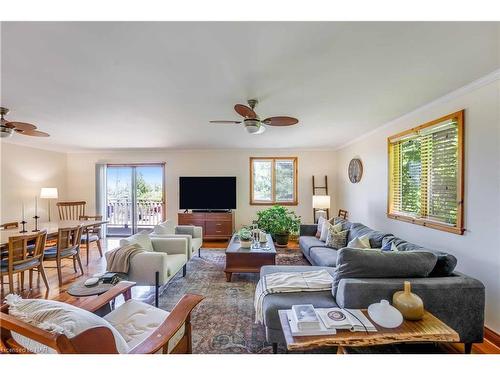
321	201
48	193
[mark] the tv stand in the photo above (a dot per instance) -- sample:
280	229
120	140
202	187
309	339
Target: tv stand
216	225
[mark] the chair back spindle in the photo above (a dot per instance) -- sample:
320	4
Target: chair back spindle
71	210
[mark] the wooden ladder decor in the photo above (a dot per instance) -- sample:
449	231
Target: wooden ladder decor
324	190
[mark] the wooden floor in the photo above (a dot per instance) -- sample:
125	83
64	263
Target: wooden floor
98	264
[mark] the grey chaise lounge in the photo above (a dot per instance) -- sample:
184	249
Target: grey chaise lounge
456	299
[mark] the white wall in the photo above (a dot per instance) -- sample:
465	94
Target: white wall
478	250
81	170
23	171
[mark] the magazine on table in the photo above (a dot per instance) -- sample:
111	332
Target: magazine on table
337	318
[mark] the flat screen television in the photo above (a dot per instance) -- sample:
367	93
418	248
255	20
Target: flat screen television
207	193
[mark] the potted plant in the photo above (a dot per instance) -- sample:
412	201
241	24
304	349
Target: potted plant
245	237
280	222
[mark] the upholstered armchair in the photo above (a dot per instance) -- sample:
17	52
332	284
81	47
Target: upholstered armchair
193	234
167	256
45	326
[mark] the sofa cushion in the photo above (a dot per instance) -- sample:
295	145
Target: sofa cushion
336	240
57	317
362	242
323	256
307	242
345	223
376	237
357	263
445	264
142	239
166	227
136	321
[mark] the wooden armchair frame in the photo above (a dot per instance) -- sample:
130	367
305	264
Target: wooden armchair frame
100	340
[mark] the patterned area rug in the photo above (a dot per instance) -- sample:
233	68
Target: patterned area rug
224	321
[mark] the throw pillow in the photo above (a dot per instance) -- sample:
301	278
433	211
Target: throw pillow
142	239
362	242
57	317
167	227
324	231
336	240
321	222
390	246
359	263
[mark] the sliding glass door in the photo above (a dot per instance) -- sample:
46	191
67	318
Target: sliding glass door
135	197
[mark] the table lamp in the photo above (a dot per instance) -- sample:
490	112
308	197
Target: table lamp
320	204
48	193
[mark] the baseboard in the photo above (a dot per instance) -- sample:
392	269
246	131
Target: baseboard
492	336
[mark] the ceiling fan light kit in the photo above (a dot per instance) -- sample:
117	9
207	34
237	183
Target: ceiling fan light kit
7	128
251	120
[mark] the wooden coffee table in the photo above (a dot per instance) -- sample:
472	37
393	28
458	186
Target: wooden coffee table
240	260
428	329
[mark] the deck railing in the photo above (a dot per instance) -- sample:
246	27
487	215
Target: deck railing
148	212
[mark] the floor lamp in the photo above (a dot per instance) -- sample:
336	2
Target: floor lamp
48	193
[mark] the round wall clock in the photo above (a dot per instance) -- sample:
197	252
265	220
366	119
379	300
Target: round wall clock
355	170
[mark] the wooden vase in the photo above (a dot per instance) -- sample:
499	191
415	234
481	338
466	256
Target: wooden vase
408	303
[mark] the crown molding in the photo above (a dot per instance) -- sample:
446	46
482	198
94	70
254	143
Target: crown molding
474	85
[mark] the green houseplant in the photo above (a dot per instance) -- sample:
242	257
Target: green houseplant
245	237
280	222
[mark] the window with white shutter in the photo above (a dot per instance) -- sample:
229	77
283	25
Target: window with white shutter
426	174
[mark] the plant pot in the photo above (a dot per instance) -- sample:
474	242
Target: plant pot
281	239
246	244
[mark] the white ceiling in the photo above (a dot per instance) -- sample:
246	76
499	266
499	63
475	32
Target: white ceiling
157	84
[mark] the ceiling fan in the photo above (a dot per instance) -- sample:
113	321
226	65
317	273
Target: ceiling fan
251	120
7	128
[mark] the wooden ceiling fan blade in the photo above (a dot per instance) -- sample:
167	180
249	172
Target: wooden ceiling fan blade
227	122
22	126
280	121
245	111
32	133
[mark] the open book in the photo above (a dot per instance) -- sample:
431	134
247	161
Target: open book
353	320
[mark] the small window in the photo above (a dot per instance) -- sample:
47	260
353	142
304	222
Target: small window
426	174
273	181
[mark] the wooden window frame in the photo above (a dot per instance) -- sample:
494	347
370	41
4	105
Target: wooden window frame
458	228
273	202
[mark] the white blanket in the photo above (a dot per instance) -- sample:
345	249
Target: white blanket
287	282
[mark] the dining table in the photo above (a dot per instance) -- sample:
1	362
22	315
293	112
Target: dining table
52	228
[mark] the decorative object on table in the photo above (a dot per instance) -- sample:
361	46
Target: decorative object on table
385	315
262	236
280	222
316	190
246	238
7	128
408	303
48	193
36	217
91	281
23	221
355	170
321	203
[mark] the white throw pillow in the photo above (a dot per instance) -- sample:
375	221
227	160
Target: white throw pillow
142	239
167	227
362	242
321	222
58	317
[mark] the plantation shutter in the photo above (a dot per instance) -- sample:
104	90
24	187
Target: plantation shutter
424	174
443	176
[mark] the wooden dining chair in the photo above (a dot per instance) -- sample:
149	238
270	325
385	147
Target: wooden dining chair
343	214
71	210
11	225
92	234
22	257
68	246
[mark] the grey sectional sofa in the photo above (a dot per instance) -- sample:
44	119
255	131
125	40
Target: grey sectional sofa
456	299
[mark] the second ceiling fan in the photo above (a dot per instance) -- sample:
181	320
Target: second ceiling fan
251	120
